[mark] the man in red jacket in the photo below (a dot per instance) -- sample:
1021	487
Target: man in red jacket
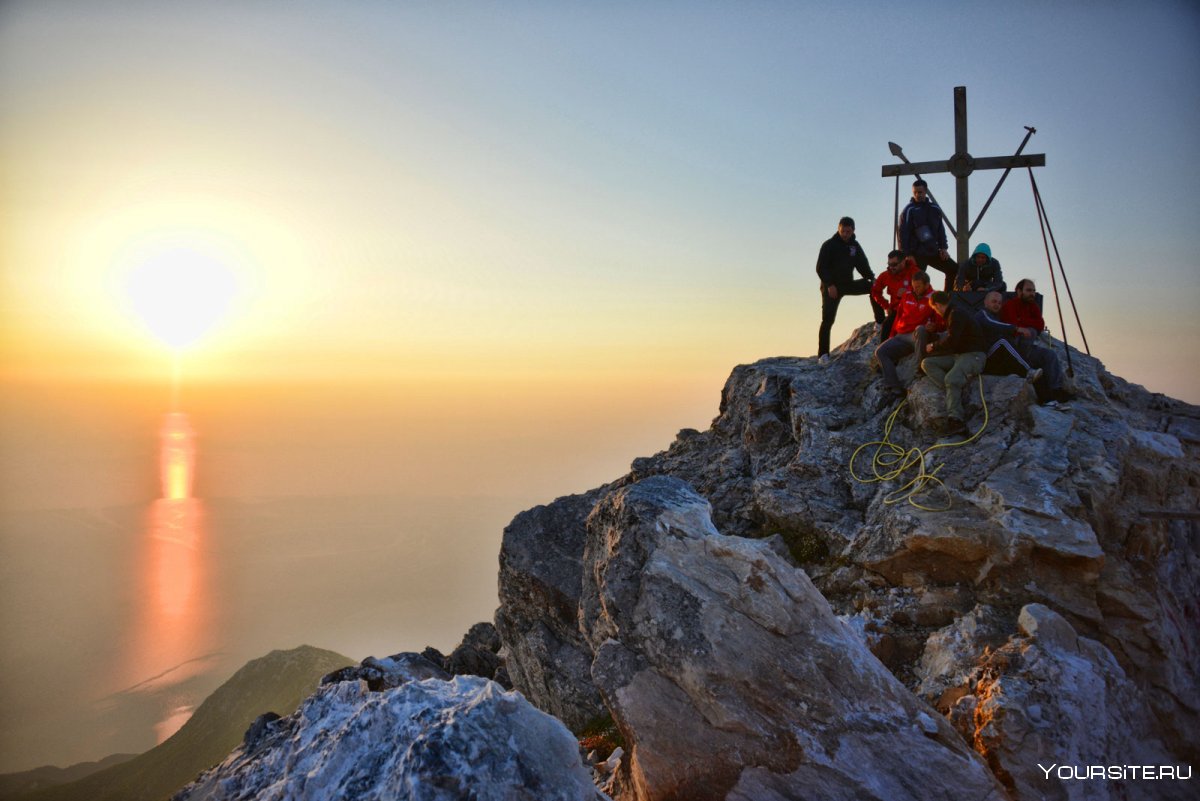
915	320
895	281
1022	310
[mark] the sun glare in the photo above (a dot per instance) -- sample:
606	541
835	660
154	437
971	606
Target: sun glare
180	292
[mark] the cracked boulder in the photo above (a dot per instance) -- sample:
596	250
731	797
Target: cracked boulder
729	675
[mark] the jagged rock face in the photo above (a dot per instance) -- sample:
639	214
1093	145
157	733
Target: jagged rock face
1049	697
1046	507
427	740
540	581
391	671
727	671
477	655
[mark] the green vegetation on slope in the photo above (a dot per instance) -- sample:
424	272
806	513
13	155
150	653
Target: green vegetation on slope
277	682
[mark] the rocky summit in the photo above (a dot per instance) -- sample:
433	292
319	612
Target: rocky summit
813	599
763	617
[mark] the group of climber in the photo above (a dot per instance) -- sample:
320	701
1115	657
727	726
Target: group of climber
952	341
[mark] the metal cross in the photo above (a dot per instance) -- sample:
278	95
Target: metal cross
960	165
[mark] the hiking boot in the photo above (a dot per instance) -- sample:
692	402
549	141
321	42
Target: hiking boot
1033	375
823	359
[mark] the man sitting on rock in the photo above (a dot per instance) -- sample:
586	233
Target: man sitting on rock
1005	356
915	321
895	280
1023	311
954	359
980	273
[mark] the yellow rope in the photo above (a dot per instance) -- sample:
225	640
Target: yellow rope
891	461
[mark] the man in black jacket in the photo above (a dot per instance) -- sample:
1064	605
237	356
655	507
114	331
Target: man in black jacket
840	256
955	359
923	236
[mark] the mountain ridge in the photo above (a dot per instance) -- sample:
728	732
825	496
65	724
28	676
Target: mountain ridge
276	682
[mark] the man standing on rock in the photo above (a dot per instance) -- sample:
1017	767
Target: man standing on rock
954	359
840	256
922	234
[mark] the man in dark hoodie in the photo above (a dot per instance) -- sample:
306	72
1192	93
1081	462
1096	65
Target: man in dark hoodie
840	256
956	358
980	273
922	234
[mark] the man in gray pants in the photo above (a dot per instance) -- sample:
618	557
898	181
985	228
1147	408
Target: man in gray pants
914	319
954	359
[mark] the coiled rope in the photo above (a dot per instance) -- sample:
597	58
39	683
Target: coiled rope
891	461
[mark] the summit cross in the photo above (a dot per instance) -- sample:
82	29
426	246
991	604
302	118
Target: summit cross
961	165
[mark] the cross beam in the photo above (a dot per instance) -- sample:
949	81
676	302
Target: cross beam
961	165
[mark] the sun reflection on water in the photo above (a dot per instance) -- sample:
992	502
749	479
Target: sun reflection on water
175	598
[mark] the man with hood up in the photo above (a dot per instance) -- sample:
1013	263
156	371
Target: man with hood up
981	272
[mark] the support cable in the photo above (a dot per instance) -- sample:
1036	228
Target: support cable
1000	183
1053	283
1075	309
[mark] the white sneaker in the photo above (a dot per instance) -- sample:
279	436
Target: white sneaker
823	359
1033	375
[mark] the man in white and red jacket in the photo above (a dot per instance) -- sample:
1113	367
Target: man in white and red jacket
915	321
895	281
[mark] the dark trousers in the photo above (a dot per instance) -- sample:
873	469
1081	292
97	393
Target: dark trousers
949	267
829	307
887	326
1006	359
894	349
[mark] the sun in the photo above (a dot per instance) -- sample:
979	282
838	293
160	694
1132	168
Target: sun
180	291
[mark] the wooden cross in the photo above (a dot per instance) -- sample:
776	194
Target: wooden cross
960	165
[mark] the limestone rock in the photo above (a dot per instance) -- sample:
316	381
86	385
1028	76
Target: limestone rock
728	673
1051	697
540	579
479	655
392	671
427	740
1044	507
950	659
